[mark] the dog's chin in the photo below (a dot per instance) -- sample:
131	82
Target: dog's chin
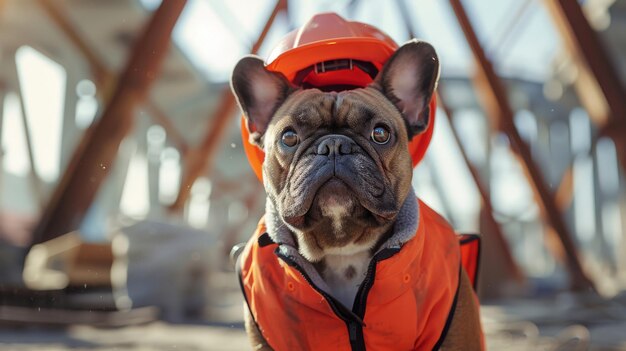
335	222
334	201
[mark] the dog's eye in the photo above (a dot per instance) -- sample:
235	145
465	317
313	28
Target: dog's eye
289	138
380	135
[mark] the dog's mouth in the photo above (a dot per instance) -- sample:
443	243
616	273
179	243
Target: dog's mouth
338	197
333	199
337	217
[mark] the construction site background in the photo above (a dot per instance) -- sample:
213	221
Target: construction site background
124	184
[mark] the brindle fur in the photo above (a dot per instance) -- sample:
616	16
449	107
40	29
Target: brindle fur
382	174
343	205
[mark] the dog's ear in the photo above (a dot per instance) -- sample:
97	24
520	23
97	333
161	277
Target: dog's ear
409	79
259	93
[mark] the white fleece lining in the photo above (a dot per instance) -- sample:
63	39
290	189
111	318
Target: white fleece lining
404	230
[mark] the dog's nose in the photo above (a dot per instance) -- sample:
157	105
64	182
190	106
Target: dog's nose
335	145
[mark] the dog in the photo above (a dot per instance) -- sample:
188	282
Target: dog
337	174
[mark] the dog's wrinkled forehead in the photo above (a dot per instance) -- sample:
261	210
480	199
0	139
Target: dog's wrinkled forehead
313	109
406	81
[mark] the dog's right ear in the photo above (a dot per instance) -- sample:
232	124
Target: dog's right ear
259	93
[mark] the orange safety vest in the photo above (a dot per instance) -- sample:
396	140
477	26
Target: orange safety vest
405	302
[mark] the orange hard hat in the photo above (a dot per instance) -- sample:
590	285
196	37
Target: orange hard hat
330	51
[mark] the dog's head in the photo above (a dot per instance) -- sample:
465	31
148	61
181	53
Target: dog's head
337	167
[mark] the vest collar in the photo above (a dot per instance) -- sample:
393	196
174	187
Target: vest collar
405	229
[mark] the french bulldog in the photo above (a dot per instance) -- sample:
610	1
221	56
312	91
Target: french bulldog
337	168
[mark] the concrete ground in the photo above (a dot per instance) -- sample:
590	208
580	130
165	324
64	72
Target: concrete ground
504	330
562	323
157	336
565	322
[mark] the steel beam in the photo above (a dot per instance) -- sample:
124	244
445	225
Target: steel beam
496	104
105	79
92	160
495	227
584	44
564	194
200	159
99	71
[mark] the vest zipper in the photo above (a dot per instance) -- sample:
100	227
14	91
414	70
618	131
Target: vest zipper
353	318
360	301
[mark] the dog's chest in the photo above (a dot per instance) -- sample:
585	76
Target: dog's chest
344	274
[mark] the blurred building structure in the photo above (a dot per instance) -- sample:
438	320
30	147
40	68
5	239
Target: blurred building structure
112	134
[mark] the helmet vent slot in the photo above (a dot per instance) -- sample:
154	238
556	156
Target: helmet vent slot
333	65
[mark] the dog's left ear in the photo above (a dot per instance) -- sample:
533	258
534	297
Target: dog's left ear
259	93
409	79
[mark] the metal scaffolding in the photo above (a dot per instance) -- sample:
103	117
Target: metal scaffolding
90	162
94	156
